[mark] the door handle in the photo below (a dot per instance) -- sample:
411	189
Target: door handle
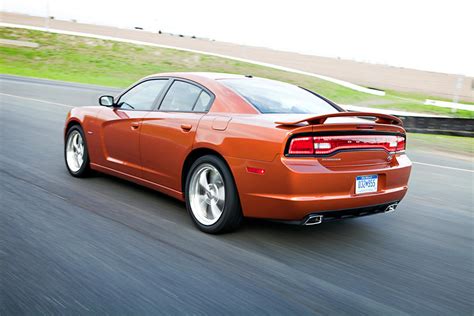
186	127
135	125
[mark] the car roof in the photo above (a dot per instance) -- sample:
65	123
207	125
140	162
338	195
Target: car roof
204	75
226	100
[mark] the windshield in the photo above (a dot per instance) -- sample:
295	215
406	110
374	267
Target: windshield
270	96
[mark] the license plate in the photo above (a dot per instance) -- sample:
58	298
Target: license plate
366	184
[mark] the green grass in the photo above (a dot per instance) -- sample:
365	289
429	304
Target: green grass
442	143
419	107
116	64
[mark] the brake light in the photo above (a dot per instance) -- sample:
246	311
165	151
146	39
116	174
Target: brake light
301	146
401	143
323	145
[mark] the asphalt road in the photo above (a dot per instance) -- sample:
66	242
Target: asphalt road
103	245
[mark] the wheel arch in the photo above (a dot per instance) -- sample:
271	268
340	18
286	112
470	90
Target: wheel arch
71	123
192	157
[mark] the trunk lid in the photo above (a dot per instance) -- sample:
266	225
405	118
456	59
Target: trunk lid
346	139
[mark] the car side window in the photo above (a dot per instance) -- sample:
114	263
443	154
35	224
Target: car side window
180	97
202	103
142	96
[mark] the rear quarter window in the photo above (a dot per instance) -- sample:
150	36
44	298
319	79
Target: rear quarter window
203	102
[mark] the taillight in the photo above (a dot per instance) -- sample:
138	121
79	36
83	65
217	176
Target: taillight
324	145
301	146
401	143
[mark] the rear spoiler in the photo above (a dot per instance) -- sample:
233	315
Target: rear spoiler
320	119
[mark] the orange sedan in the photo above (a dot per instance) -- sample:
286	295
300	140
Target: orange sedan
236	146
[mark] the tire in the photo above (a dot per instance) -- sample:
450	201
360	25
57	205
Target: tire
203	204
74	138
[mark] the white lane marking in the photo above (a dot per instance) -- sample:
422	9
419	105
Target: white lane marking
118	39
69	106
444	167
37	100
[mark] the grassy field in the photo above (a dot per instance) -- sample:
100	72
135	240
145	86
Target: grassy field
116	64
445	144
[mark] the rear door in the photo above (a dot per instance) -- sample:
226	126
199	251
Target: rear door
167	135
120	126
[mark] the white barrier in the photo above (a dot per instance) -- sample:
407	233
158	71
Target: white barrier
451	105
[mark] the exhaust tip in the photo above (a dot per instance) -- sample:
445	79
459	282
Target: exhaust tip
391	208
313	220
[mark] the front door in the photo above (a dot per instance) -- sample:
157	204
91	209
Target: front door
121	125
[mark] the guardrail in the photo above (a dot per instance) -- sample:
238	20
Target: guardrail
425	123
439	125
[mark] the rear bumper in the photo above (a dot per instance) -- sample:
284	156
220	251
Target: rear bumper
331	216
291	189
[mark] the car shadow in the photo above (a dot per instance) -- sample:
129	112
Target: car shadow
250	226
263	225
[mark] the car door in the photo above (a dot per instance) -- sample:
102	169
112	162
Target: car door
120	127
167	135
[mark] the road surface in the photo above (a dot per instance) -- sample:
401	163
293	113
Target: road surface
103	245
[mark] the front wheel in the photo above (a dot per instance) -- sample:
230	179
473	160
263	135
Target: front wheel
211	196
75	152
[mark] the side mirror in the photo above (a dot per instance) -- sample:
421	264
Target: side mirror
106	100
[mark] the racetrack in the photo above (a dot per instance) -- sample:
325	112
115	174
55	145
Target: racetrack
103	245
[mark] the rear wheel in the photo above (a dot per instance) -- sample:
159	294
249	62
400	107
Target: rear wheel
75	152
211	196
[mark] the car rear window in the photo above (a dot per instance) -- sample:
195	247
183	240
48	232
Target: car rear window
270	96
